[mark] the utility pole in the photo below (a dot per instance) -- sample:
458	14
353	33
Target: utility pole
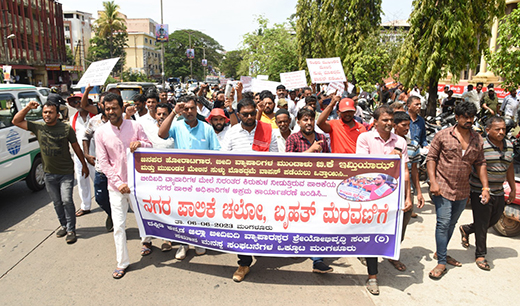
191	60
162	49
204	56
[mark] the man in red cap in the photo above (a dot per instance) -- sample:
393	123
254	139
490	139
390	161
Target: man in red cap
219	121
343	131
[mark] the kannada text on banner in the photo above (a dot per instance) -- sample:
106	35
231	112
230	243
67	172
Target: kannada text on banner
270	204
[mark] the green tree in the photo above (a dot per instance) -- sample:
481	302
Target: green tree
505	61
269	50
70	56
110	36
129	76
444	37
336	28
231	63
176	61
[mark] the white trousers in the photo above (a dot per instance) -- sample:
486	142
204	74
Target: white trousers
119	204
84	183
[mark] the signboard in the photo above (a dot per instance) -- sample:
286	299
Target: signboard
326	70
52	67
97	73
259	85
190	53
247	83
7	73
204	62
460	89
161	32
271	204
294	80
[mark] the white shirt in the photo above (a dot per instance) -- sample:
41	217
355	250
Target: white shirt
152	131
222	134
239	140
279	140
472	96
147	117
510	106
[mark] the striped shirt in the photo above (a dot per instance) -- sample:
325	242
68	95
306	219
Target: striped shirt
239	140
497	164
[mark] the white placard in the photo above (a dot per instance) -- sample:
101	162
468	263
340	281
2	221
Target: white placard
262	77
294	80
326	70
246	83
336	86
259	85
98	72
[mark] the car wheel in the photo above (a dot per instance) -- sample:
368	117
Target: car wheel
36	178
507	226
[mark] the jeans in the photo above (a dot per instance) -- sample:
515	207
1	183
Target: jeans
484	217
245	260
59	187
448	213
315	260
101	192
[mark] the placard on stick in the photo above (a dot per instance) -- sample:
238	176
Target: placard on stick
326	70
293	80
98	72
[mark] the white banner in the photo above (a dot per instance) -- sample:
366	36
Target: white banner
259	85
7	72
294	80
97	73
247	83
326	70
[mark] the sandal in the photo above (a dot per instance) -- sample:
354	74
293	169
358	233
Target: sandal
166	246
82	212
464	238
398	265
146	249
483	264
118	273
450	260
372	286
437	273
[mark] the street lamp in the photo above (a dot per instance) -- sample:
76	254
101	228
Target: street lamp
11	36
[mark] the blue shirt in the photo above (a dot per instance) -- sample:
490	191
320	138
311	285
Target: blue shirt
418	131
200	137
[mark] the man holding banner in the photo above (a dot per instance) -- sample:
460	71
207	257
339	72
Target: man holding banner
382	141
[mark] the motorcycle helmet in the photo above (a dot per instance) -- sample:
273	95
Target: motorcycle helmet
510	124
54	89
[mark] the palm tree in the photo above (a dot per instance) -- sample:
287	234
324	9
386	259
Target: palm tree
109	22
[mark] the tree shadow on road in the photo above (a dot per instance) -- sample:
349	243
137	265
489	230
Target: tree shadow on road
415	269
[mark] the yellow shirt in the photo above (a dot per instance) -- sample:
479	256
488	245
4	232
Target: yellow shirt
272	122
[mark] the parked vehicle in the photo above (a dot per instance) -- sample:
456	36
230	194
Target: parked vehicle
509	223
20	157
130	89
44	92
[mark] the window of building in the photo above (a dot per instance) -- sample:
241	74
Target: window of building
67	41
145	40
67	29
69	16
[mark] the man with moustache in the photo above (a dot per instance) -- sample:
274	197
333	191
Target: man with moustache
151	129
151	101
112	141
188	134
250	135
308	141
283	121
382	141
218	120
344	131
453	153
54	137
266	109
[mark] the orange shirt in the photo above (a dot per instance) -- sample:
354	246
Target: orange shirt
343	138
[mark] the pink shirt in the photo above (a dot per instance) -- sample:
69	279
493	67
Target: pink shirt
372	143
111	146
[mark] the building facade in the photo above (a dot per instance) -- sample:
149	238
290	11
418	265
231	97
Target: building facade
32	41
143	53
78	32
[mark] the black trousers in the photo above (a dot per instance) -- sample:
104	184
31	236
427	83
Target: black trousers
245	260
484	217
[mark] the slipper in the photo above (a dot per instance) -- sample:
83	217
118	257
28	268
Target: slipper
372	286
483	264
82	212
146	249
437	273
166	246
450	260
464	238
118	273
398	265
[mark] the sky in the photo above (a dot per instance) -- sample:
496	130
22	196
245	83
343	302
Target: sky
224	20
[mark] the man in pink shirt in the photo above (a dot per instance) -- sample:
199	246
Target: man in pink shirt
382	141
112	141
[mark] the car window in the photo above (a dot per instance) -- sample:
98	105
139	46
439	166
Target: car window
44	92
7	110
24	98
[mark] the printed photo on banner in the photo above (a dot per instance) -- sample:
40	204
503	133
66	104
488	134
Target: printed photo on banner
190	53
161	32
301	204
204	62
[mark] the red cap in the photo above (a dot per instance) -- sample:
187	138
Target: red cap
217	112
78	95
346	104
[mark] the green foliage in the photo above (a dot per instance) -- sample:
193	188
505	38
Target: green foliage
70	56
337	28
231	63
444	38
176	62
110	36
269	50
129	76
505	61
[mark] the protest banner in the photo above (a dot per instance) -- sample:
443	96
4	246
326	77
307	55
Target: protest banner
247	83
326	70
161	32
259	85
334	87
7	73
270	204
294	80
263	77
97	73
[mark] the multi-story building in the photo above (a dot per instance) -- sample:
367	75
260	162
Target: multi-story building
32	40
142	53
78	31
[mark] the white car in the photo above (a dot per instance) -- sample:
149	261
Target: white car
44	92
20	157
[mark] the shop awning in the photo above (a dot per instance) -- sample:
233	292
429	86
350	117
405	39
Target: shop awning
21	67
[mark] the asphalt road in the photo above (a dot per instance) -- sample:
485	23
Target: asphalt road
36	268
